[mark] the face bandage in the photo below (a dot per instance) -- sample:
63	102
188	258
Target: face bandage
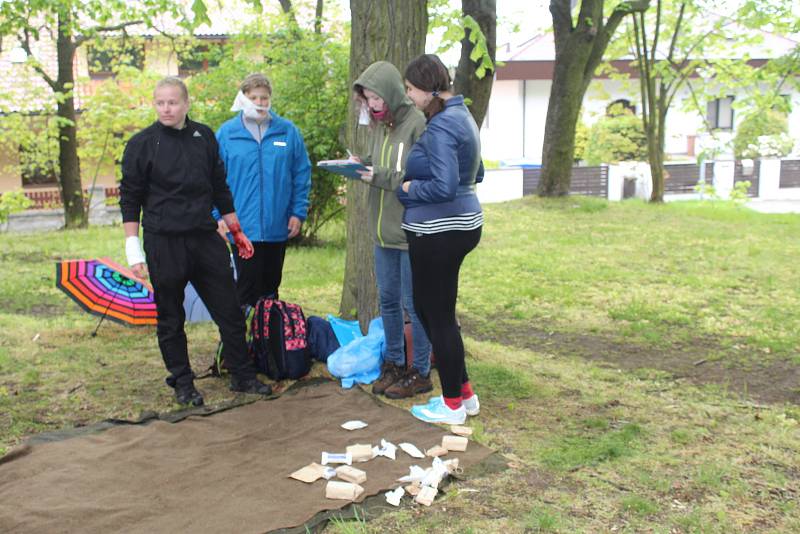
248	108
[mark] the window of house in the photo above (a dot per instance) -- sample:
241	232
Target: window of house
620	105
35	168
106	56
719	113
197	58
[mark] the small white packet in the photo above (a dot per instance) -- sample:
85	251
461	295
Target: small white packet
393	497
337	458
411	450
389	450
354	425
415	474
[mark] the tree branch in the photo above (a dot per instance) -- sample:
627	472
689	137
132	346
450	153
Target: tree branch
672	45
80	39
562	21
623	9
25	42
286	5
657	33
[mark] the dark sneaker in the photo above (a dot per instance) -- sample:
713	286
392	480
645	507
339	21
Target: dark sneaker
187	395
390	373
412	383
250	385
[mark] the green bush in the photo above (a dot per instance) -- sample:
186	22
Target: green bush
12	202
762	134
619	136
581	140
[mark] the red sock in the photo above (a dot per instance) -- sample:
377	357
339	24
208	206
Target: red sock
454	403
466	390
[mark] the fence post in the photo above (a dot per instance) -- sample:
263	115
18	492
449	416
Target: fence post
723	178
97	206
769	179
616	182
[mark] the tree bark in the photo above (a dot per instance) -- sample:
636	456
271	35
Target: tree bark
394	31
466	82
70	172
286	6
579	49
318	17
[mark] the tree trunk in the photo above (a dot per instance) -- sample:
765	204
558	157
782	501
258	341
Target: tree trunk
390	30
70	173
318	17
563	109
466	83
655	152
579	51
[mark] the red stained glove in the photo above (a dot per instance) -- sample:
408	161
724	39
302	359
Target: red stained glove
243	244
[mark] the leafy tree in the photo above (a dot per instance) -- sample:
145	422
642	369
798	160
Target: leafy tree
70	23
618	136
118	108
580	42
475	27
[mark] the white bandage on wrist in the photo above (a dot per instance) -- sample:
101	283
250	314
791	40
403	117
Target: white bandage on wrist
133	250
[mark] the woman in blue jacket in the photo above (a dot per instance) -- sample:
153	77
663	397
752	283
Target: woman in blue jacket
269	174
442	221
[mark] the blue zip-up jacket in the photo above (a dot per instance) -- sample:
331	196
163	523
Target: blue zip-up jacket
444	165
270	181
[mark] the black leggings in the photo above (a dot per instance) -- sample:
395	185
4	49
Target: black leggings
435	262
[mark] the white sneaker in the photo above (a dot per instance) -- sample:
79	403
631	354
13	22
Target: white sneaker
472	405
436	411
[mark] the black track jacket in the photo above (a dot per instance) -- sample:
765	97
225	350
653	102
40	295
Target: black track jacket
175	177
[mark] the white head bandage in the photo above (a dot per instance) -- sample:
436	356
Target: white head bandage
246	106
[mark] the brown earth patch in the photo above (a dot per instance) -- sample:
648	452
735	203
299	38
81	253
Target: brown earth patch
774	381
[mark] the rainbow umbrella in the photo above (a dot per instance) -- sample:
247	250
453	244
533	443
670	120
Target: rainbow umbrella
107	289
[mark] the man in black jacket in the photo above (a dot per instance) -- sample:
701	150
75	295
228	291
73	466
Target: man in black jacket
172	174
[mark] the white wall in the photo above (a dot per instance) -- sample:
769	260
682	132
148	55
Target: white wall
501	132
502	137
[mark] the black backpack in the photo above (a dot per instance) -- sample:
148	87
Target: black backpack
277	339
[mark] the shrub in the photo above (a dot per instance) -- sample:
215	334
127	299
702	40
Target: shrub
762	134
619	136
12	202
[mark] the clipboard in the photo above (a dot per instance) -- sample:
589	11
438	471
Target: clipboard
345	167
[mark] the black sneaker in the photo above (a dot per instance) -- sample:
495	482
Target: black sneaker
187	395
250	385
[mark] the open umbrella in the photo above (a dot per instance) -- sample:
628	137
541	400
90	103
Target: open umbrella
107	289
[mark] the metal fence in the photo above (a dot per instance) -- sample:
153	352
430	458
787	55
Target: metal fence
590	181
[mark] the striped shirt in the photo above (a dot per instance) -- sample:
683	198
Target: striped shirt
463	222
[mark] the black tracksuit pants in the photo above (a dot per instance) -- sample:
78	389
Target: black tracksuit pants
201	258
260	276
435	262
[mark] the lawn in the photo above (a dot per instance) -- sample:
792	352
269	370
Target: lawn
637	365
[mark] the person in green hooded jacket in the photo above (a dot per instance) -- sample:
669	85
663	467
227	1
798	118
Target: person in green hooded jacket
395	124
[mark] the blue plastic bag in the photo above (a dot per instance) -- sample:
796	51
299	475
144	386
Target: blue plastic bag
360	359
346	331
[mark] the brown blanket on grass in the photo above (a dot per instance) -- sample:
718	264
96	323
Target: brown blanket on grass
225	472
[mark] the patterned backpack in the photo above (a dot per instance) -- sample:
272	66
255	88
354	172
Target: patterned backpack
277	339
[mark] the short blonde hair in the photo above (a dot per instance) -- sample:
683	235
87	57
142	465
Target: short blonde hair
172	81
255	80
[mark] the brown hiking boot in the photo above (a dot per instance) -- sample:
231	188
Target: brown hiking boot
411	384
390	373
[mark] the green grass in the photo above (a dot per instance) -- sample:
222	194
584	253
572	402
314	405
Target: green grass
591	447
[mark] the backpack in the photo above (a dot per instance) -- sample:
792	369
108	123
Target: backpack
278	339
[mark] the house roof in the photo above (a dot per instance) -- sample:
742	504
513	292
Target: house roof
533	58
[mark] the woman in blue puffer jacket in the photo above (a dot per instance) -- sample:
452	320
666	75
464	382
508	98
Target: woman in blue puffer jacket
442	221
269	174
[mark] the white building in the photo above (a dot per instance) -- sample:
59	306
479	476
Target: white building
514	124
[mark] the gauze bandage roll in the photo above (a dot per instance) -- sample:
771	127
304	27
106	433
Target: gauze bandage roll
246	106
133	250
